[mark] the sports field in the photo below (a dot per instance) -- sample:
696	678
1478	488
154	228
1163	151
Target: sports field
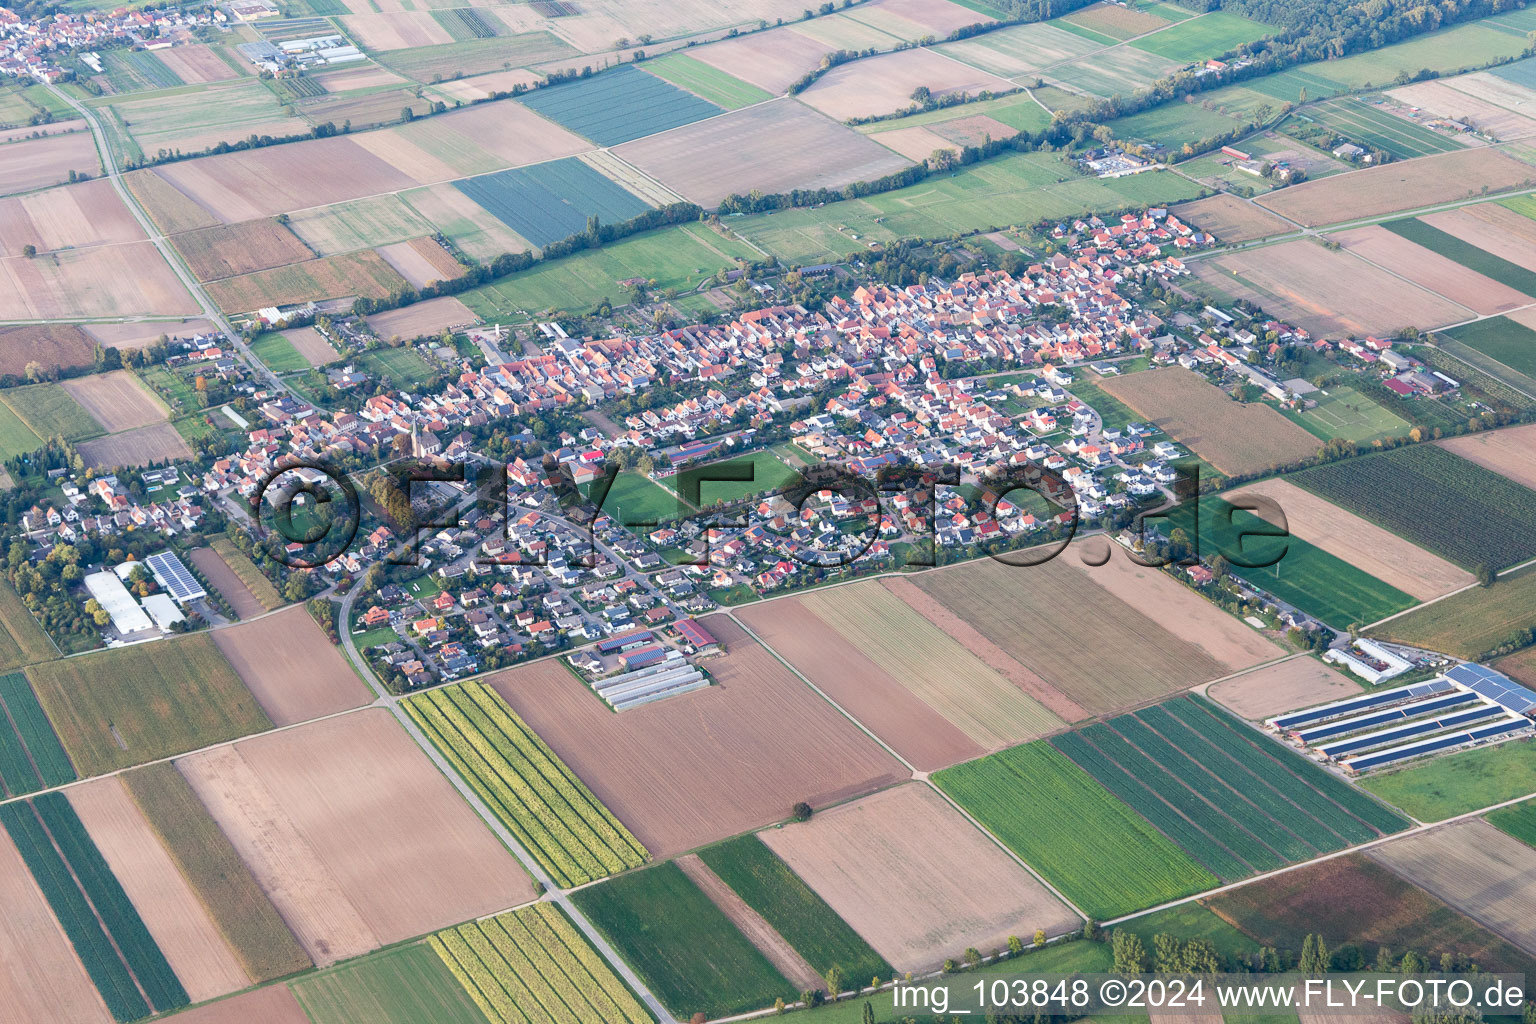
548	202
1344	412
1502	339
636	500
404	366
619	105
697	485
705	81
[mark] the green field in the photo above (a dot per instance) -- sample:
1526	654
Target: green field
16	438
1344	412
685	950
1458	783
405	985
1501	339
163	698
707	81
262	942
768	886
536	796
1019	112
678	257
1103	856
1300	574
1519	821
1480	517
532	966
22	640
193	116
1191	921
50	411
1118	71
619	105
1470	623
359	224
1465	253
134	70
768	474
404	366
464	23
1376	128
1015	49
278	353
1173	125
1198	39
636	500
31	757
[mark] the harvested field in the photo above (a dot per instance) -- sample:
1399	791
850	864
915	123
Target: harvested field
1510	453
1233	437
41	977
169	207
1481	871
1276	689
295	673
249	574
1430	270
1115	21
957	888
769	60
53	345
1403	185
460	218
1492	227
311	344
177	920
1231	219
1520	667
226	582
633	181
352	274
421	261
1357	541
1021	48
228	250
1448	99
974	130
89	213
875	697
142	333
501	134
982	700
355	835
396	30
751	924
116	399
709	764
105	281
914	19
359	224
422	318
1081	638
140	447
481	87
196	64
34	163
916	144
772	146
1327	292
274	1004
884	84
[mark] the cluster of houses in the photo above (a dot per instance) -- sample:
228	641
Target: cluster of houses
31	47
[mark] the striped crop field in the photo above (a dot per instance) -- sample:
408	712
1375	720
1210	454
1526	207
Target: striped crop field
536	796
531	966
128	968
31	757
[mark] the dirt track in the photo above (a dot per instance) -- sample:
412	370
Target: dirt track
758	931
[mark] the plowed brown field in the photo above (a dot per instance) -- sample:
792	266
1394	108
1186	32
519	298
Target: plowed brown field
1510	452
58	218
295	673
1404	185
1428	269
34	163
1298	683
135	447
228	250
274	1004
116	400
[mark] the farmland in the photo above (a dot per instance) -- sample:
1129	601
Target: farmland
1353	899
1374	126
1210	35
531	966
1467	254
1502	339
1018	49
293	670
138	447
401	986
884	84
706	81
47	161
536	796
1518	821
549	202
1482	518
1460	782
260	587
619	106
228	250
959	888
1472	622
422	319
1116	22
277	353
682	946
116	399
1231	219
1311	579
23	640
1087	843
710	764
1297	683
48	410
353	274
89	213
167	697
16	438
245	917
133	70
1173	124
1507	452
1396	253
793	909
30	755
48	344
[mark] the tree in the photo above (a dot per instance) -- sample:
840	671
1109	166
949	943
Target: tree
801	811
1485	576
1314	956
834	980
29	250
868	1016
1130	954
1015	945
1039	937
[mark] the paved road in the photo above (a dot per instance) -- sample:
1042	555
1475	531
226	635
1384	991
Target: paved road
210	311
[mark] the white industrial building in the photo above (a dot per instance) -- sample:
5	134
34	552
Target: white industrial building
116	601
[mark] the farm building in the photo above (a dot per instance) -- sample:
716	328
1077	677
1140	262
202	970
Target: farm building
174	576
116	601
664	674
696	635
625	642
1469	704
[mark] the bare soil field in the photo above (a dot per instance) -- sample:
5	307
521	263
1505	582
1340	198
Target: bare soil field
252	183
642	185
482	87
1484	873
357	837
105	281
226	582
1430	270
1510	452
1116	21
1233	437
228	250
52	345
1327	292
27	131
1231	219
869	693
370	76
41	978
1447	100
311	344
89	213
1082	640
1500	92
1520	667
169	207
196	64
974	130
421	261
139	333
769	60
1492	227
117	400
135	447
709	764
1287	686
34	163
295	673
987	704
772	146
1361	543
274	1004
507	132
884	84
751	924
931	17
916	879
1402	185
916	144
351	274
180	924
422	318
396	30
